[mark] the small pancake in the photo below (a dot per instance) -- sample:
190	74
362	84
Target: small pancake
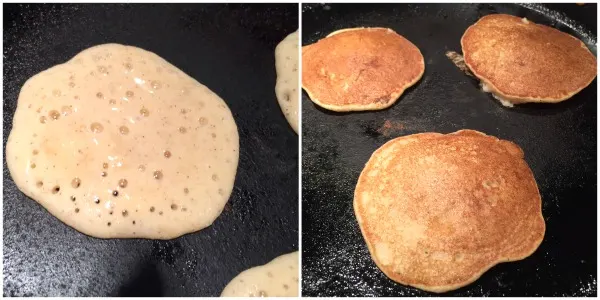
286	87
278	278
360	69
119	143
520	61
437	211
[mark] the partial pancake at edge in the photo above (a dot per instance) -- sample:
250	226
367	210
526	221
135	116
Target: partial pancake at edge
277	278
286	87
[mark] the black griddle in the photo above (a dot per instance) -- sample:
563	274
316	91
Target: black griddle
559	141
230	49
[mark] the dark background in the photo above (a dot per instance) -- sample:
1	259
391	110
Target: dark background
559	141
228	48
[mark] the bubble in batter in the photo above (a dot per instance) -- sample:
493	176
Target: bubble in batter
96	127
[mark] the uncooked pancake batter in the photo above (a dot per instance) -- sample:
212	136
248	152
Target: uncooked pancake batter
118	143
286	88
278	278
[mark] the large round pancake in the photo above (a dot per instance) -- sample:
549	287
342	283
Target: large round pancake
526	62
360	69
119	143
437	211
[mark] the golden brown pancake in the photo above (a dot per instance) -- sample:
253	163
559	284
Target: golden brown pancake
360	69
520	61
437	211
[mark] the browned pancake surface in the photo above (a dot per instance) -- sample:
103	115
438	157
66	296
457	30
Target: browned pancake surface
360	69
437	211
527	62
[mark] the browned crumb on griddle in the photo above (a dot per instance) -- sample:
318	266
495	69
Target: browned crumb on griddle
458	61
390	127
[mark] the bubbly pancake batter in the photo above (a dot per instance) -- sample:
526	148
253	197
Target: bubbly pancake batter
118	143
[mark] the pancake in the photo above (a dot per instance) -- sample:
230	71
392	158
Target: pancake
118	143
360	69
519	61
286	87
437	211
278	278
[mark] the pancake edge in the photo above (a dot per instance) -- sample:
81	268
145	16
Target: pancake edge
278	83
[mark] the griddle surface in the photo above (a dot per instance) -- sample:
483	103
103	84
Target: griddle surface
228	48
559	143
